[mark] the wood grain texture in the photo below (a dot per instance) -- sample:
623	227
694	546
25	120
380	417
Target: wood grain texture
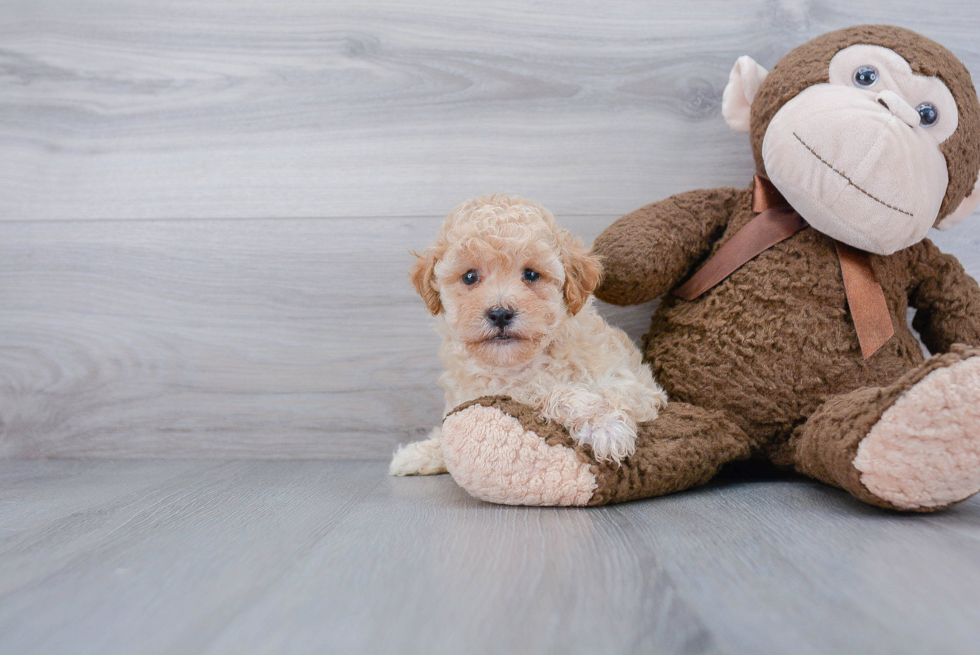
114	109
206	212
287	338
255	338
325	557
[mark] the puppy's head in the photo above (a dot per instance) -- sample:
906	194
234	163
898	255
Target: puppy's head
504	276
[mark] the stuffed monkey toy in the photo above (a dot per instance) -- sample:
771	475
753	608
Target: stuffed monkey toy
783	332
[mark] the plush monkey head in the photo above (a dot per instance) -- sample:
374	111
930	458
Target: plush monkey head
872	133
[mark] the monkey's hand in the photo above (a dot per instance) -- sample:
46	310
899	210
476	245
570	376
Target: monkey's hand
946	298
648	252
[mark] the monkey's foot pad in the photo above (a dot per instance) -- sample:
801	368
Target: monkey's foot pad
924	452
496	458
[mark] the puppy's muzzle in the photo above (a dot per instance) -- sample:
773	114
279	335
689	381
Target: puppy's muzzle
501	316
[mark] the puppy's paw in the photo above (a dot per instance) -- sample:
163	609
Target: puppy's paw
612	436
419	458
572	406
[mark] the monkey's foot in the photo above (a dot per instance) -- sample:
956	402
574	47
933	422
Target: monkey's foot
924	451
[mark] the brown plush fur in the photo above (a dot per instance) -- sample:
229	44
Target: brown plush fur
775	341
774	345
767	363
685	446
824	447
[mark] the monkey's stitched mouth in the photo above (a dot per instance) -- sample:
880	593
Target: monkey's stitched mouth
849	180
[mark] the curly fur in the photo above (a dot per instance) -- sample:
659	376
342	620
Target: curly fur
767	364
773	347
558	355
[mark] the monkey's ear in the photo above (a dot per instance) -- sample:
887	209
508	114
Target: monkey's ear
964	209
582	273
743	83
423	276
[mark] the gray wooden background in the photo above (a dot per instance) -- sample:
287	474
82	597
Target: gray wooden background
206	208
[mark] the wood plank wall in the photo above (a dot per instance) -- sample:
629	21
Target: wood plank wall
206	209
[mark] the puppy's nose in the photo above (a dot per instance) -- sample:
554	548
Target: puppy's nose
500	316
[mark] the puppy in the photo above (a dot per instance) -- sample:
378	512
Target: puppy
511	293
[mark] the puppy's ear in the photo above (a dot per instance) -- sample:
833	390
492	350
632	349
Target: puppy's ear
582	273
424	278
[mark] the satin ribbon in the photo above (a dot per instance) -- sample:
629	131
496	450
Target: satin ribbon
778	221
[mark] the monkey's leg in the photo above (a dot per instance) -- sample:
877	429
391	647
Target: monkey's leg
501	451
913	446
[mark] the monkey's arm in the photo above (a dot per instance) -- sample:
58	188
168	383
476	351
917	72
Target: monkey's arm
648	252
946	298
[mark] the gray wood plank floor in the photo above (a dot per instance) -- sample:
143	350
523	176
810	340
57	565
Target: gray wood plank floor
265	338
206	212
219	338
253	556
255	109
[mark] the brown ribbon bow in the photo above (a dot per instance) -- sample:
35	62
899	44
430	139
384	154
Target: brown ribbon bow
778	221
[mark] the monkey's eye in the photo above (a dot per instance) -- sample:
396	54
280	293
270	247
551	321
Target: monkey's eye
865	77
531	276
928	114
470	277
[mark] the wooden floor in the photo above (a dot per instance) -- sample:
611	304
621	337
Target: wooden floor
207	213
173	556
206	217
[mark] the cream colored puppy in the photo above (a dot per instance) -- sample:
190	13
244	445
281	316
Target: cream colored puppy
511	293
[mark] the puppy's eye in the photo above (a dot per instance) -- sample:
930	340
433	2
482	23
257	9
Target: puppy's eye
531	276
470	277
